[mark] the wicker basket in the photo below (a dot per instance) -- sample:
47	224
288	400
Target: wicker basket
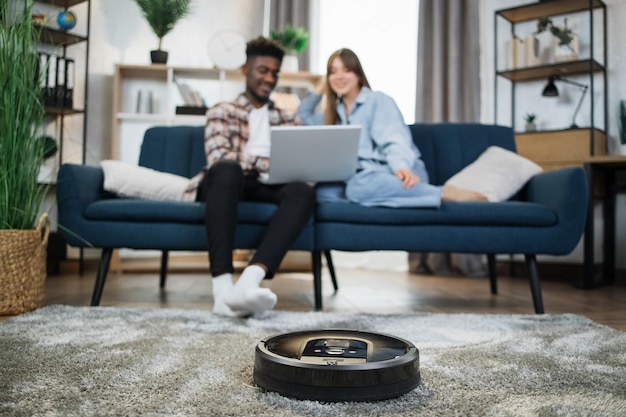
23	268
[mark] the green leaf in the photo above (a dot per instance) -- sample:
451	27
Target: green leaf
293	40
162	15
21	119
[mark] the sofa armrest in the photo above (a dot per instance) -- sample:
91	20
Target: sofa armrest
566	191
81	182
77	187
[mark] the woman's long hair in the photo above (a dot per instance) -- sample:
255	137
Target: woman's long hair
352	63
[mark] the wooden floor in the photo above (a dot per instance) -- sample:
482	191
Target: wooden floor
360	290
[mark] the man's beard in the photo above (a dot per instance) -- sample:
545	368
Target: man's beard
259	98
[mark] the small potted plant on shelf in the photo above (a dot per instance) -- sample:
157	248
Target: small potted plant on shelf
530	119
567	47
162	16
23	230
294	41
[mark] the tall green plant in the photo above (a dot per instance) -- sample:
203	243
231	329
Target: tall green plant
162	15
21	117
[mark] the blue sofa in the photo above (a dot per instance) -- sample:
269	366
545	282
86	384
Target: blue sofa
546	217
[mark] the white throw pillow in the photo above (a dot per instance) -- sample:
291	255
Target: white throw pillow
497	173
129	180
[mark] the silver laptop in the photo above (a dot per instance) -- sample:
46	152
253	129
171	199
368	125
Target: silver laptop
313	153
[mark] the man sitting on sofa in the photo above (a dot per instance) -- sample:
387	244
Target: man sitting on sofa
237	144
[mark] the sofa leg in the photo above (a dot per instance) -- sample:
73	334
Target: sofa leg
316	261
331	269
103	269
164	258
535	285
493	276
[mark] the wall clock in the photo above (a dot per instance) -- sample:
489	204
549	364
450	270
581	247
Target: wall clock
227	49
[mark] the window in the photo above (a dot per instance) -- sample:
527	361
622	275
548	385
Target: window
383	34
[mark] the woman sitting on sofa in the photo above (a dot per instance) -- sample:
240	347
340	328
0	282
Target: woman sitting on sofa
390	171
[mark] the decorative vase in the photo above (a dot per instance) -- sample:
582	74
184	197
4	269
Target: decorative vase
533	51
158	56
530	127
290	64
564	53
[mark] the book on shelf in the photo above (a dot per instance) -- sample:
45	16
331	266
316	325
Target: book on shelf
190	97
57	80
145	102
59	88
68	99
191	110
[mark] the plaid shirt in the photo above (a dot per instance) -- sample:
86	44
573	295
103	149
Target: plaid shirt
226	135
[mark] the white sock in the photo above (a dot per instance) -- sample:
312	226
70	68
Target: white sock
222	284
246	295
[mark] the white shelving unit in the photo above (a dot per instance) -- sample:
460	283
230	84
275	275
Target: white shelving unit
145	96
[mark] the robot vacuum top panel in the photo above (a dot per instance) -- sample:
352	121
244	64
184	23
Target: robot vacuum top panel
337	365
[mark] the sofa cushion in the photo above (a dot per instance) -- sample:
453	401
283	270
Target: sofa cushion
508	213
497	173
129	180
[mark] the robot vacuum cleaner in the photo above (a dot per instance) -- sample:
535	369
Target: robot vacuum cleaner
337	365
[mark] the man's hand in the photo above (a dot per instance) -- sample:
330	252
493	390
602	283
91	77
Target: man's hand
409	179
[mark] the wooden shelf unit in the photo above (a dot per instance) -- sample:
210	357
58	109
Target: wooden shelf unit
556	149
549	8
544	71
128	79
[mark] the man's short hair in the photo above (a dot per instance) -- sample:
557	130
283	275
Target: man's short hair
262	46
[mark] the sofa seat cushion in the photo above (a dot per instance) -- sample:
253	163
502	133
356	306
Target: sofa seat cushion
508	213
138	210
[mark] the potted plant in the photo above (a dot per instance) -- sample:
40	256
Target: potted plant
23	231
567	47
530	119
162	16
293	40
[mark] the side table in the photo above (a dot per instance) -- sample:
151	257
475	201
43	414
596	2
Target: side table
606	176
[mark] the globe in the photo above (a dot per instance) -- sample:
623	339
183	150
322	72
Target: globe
66	19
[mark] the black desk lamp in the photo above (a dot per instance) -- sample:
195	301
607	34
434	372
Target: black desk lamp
550	90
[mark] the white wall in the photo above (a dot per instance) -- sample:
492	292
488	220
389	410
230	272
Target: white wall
383	37
120	34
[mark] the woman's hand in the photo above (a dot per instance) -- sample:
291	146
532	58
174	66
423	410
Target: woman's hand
409	179
320	87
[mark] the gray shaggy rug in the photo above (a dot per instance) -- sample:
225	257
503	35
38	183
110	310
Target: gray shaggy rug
104	361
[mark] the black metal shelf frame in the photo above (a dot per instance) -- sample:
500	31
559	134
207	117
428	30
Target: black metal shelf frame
590	66
63	39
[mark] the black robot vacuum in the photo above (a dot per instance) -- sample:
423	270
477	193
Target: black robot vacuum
337	365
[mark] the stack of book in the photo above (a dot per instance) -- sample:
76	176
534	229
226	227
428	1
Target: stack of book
194	103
